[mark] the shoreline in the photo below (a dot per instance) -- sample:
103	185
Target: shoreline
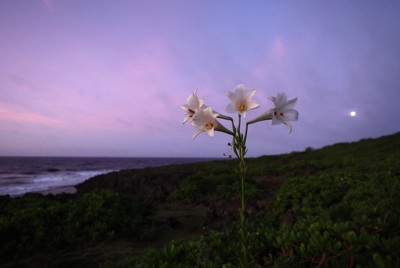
52	175
58	190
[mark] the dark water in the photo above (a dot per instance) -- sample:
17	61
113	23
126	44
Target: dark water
19	175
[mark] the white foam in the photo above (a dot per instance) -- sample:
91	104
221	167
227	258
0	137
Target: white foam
46	182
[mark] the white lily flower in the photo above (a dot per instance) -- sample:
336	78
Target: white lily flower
241	100
283	111
205	121
193	105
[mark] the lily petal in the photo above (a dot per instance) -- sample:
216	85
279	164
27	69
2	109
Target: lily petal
230	95
210	132
291	115
289	126
289	105
185	118
231	108
197	133
252	105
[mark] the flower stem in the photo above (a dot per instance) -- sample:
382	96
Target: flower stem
243	222
240	145
245	133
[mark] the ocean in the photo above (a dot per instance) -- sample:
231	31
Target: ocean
20	175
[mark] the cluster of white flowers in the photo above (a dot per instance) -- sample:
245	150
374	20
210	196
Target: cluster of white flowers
204	119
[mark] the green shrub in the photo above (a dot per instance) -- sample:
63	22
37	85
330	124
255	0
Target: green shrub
346	220
35	223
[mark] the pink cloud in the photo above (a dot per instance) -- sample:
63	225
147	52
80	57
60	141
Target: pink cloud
153	65
270	69
49	4
278	49
9	115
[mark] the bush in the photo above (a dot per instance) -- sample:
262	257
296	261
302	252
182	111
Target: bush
35	223
348	220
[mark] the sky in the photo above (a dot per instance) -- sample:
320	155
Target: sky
107	78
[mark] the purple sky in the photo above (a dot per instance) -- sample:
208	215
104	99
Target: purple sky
107	78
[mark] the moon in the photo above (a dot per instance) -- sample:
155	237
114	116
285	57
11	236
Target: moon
353	113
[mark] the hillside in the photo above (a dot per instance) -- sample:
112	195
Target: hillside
336	206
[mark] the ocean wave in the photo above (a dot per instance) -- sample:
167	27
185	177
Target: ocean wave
46	182
20	175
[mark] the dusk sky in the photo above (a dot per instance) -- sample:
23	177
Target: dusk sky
107	78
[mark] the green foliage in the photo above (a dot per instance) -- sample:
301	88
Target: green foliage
344	206
103	214
195	253
35	223
341	221
220	182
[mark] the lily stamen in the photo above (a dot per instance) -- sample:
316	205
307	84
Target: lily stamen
209	126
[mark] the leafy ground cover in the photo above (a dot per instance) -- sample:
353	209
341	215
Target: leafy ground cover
333	207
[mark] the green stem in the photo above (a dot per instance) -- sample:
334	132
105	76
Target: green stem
240	142
243	223
245	133
239	148
240	120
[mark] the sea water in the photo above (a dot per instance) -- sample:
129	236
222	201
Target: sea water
20	175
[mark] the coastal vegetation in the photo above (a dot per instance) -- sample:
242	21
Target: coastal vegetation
337	206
